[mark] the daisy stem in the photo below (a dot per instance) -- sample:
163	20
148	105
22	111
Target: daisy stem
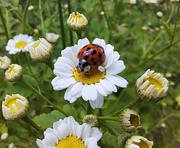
108	118
29	67
107	20
4	24
70	32
25	14
42	96
130	105
41	18
110	128
153	56
61	23
29	121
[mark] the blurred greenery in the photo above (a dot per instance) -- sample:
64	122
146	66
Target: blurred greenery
143	39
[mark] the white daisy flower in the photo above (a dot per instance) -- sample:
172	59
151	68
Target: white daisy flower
52	37
68	133
4	62
94	86
19	43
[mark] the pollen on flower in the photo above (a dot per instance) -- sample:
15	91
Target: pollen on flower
71	142
154	82
20	44
93	77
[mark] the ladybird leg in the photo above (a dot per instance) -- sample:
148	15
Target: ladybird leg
87	68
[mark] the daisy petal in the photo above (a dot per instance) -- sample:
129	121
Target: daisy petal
98	103
117	80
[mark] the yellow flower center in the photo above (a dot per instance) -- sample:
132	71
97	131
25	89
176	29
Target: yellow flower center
11	102
21	44
142	144
36	44
71	142
93	77
154	82
11	69
134	120
2	62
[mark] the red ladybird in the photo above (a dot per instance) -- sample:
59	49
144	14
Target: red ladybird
90	56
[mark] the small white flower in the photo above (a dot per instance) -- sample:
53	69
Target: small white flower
52	37
150	1
11	145
19	43
130	120
138	142
4	136
14	72
77	21
14	107
41	50
68	133
31	7
159	14
94	86
132	1
4	62
152	86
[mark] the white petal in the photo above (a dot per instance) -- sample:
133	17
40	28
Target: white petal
100	42
50	140
117	80
98	103
101	89
64	130
89	92
82	42
115	68
68	53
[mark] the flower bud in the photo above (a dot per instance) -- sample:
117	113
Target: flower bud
152	86
138	142
41	50
4	136
14	107
91	120
77	21
14	72
129	120
4	62
52	37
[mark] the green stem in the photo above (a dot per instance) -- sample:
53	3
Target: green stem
108	118
153	56
136	101
25	15
107	20
70	32
41	18
110	128
61	23
4	24
79	34
29	121
42	97
175	25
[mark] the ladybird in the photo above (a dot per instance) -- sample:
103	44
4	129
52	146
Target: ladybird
90	56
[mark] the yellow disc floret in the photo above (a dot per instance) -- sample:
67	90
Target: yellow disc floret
71	142
20	44
93	77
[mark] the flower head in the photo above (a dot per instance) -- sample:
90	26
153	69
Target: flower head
14	107
4	136
52	37
138	142
77	21
41	50
90	120
19	43
152	86
68	133
4	62
129	120
94	82
150	1
14	72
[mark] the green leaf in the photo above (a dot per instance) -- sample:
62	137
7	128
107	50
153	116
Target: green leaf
3	128
47	120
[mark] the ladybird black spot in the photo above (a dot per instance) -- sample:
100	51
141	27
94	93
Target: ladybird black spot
88	48
94	63
93	52
85	64
92	59
100	55
86	57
